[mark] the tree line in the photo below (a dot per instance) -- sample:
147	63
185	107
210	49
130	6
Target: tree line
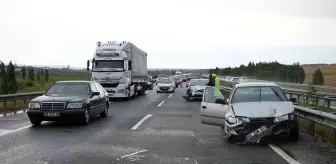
272	71
8	82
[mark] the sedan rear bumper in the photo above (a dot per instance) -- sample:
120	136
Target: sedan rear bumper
63	115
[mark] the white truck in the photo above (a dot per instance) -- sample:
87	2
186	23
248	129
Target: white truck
121	68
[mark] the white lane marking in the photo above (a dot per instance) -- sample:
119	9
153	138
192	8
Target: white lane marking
141	151
141	121
20	111
4	132
170	95
283	154
161	103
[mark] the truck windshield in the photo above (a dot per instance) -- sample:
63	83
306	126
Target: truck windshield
109	64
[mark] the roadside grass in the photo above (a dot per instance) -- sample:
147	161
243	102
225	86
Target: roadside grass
322	132
329	73
25	85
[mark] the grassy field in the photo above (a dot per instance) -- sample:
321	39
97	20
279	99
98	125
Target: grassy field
25	85
55	75
329	72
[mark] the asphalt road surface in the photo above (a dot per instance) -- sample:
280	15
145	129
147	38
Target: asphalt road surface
156	128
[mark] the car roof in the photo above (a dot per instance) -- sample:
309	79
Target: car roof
75	81
256	84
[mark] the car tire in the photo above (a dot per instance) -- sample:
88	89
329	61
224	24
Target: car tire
35	121
294	133
105	112
86	117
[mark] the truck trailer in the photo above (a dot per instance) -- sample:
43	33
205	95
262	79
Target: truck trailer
121	69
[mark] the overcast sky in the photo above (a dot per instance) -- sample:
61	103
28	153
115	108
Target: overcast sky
174	33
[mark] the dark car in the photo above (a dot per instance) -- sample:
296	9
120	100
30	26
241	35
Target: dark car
150	83
69	100
196	88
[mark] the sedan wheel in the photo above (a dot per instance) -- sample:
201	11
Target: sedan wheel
105	112
86	117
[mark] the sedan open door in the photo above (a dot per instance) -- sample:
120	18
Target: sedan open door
213	107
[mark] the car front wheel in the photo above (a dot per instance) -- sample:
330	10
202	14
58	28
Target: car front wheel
294	133
36	122
86	119
105	112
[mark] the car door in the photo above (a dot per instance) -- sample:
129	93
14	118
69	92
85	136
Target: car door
213	109
102	99
94	104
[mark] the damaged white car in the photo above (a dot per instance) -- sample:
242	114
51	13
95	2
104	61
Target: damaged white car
253	112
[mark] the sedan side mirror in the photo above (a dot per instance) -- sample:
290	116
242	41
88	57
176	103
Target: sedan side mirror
95	93
292	99
221	101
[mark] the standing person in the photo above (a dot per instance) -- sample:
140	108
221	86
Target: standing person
217	85
212	80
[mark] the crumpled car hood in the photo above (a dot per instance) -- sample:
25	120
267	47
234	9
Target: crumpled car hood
262	109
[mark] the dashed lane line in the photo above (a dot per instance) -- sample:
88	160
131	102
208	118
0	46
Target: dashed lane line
170	95
161	103
6	131
141	121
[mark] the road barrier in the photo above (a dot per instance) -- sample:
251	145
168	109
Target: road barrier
14	98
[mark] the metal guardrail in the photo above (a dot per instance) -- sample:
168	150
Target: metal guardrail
314	116
15	97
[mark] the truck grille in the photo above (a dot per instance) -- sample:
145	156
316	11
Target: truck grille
53	106
109	85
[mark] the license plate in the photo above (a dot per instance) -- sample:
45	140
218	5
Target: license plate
256	132
52	114
199	93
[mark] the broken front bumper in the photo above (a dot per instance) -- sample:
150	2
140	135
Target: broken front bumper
241	130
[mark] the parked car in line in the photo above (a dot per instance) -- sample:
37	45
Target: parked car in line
150	83
165	85
187	83
69	100
195	89
234	79
253	112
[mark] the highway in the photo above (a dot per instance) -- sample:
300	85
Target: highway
155	128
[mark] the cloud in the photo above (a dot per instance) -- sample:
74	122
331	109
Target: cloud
174	33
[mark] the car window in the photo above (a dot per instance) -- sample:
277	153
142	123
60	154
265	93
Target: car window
165	80
69	88
272	94
93	88
99	89
211	94
256	94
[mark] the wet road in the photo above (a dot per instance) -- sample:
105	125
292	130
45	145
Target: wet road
156	128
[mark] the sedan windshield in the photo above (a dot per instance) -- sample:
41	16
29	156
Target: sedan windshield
69	88
165	80
198	82
256	94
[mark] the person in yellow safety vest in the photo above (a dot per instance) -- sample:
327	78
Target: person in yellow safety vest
217	85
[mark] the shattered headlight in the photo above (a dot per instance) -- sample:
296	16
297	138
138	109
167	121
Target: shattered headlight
234	120
281	118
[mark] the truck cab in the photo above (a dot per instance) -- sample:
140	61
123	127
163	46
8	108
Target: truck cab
112	67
